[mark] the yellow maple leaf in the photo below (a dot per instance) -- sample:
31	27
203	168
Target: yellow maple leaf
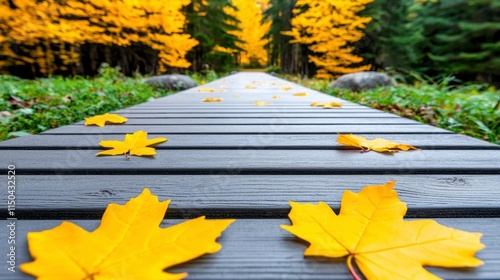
301	94
250	87
377	144
275	97
286	88
212	99
133	144
128	244
327	105
101	120
206	90
370	229
262	103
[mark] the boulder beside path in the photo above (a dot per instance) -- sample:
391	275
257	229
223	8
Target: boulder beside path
362	80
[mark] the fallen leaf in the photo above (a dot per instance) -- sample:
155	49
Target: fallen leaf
275	97
370	229
128	244
327	105
301	94
206	90
250	87
377	144
133	144
286	88
262	103
212	99
101	120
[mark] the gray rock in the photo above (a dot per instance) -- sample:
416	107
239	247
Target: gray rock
171	82
362	80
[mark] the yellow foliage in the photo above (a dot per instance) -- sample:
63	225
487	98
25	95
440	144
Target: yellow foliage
54	30
249	13
328	28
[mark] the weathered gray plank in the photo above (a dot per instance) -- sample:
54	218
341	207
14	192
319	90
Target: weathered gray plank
278	128
251	195
269	121
252	161
260	249
330	115
252	141
240	104
257	109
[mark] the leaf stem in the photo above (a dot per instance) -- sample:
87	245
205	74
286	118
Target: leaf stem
351	269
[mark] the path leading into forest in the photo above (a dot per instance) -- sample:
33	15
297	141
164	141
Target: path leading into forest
235	159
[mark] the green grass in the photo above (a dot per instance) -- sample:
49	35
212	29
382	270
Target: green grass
472	110
33	106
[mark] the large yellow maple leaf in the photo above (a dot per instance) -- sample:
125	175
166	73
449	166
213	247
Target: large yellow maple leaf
370	229
133	144
128	244
377	144
101	120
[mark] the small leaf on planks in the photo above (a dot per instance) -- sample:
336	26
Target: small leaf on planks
206	90
101	120
370	229
377	144
134	144
301	94
250	87
128	244
327	105
212	99
262	103
275	97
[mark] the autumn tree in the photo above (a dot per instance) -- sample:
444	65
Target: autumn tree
329	28
252	31
53	35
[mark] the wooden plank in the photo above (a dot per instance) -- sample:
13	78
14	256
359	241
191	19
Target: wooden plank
254	110
269	121
331	115
260	249
279	141
246	104
252	161
242	105
251	129
249	196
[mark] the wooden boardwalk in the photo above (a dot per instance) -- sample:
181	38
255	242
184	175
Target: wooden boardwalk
236	159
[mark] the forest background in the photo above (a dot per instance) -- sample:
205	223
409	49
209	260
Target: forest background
442	43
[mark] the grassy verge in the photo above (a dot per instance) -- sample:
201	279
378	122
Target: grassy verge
33	106
472	110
